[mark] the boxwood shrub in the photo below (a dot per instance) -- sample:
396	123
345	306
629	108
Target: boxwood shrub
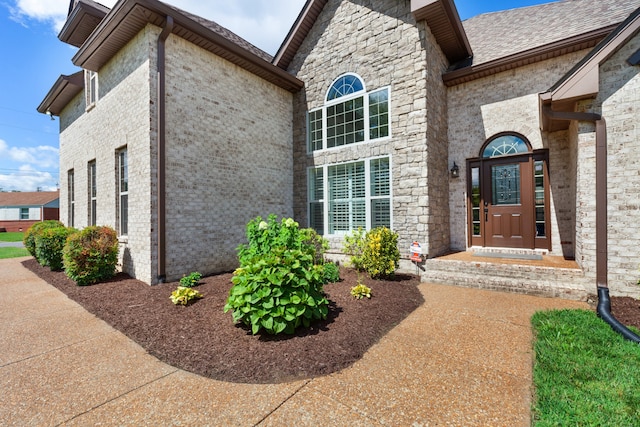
29	239
49	245
91	255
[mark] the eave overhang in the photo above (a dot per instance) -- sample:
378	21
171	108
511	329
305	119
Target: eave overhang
128	18
583	80
82	20
444	22
540	53
63	91
298	32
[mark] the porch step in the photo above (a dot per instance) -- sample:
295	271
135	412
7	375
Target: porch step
568	283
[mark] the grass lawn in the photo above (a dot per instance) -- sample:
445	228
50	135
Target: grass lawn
585	374
11	252
11	236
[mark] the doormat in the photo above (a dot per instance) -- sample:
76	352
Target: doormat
532	257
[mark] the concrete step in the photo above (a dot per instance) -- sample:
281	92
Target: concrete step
568	283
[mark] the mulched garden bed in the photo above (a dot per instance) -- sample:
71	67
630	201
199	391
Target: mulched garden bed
200	338
626	310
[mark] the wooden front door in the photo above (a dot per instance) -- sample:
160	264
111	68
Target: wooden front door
508	201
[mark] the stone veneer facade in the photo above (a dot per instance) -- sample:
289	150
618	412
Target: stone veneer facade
380	41
228	155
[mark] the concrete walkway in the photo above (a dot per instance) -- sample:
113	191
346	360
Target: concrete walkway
462	358
11	245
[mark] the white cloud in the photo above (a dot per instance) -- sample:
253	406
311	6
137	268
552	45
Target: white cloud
38	168
263	23
27	179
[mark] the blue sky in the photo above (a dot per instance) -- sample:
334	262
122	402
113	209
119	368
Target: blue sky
33	58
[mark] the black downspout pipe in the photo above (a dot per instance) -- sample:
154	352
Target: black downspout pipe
604	302
162	252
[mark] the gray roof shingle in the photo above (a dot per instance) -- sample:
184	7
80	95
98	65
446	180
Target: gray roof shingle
499	34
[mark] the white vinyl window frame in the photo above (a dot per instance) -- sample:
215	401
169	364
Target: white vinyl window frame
123	191
319	200
91	88
318	121
71	198
93	193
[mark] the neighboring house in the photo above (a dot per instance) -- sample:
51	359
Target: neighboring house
20	210
477	135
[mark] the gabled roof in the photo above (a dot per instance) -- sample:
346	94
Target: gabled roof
513	38
37	198
128	17
84	16
62	92
582	81
441	16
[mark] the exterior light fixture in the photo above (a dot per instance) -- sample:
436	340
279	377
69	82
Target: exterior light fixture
48	113
455	171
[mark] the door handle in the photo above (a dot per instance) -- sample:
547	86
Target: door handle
486	214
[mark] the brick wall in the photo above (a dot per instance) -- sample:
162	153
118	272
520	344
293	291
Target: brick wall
619	101
119	118
381	42
229	145
508	102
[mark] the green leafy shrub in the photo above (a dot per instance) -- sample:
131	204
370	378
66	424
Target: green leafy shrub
353	246
360	291
381	257
49	245
191	280
183	295
91	255
330	272
278	287
29	239
311	238
375	252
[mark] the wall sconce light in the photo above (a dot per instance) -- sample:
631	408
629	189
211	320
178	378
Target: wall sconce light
455	171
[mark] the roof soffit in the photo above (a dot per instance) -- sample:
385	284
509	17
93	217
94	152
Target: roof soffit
127	18
62	92
582	81
298	32
444	22
85	16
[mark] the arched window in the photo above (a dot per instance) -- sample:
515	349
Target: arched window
345	85
505	145
349	115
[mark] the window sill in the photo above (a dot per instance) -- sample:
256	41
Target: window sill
123	239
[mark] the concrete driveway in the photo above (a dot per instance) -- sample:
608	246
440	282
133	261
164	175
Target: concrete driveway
463	358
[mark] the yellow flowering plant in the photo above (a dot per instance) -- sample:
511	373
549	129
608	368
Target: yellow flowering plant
380	256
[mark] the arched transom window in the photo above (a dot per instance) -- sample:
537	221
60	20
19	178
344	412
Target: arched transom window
349	115
505	145
345	85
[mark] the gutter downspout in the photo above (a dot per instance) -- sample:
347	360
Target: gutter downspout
161	111
604	303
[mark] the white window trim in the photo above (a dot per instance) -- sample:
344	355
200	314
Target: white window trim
120	192
368	196
365	95
71	190
93	212
91	91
